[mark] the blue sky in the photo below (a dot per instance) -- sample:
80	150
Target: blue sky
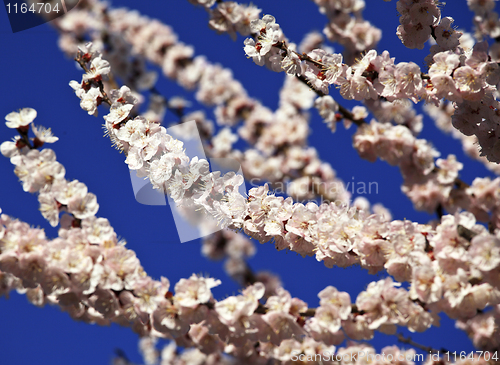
35	73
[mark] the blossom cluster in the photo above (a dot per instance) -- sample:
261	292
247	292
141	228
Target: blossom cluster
91	275
427	191
309	228
275	155
36	168
430	185
345	23
467	78
338	234
417	22
347	27
485	20
264	231
451	265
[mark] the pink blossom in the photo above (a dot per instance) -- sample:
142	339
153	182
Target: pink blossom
194	291
98	68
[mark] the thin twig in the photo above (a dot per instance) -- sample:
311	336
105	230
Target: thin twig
427	349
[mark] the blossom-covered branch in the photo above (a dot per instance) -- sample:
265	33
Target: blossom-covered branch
449	266
336	233
275	156
431	186
91	275
469	80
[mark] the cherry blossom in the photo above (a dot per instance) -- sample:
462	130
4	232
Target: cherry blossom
450	265
20	119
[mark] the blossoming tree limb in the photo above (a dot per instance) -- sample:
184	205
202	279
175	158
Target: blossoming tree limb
451	265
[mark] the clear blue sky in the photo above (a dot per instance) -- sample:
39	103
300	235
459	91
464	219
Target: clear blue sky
35	73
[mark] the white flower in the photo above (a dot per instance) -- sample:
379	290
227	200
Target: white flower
268	35
134	158
224	140
21	119
468	80
161	171
90	100
131	130
77	86
292	64
229	309
444	63
43	134
124	95
49	208
194	291
118	112
252	50
83	207
327	108
333	67
98	67
485	252
173	145
9	148
63	190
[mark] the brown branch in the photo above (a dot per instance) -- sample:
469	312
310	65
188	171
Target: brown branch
466	233
346	113
427	349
